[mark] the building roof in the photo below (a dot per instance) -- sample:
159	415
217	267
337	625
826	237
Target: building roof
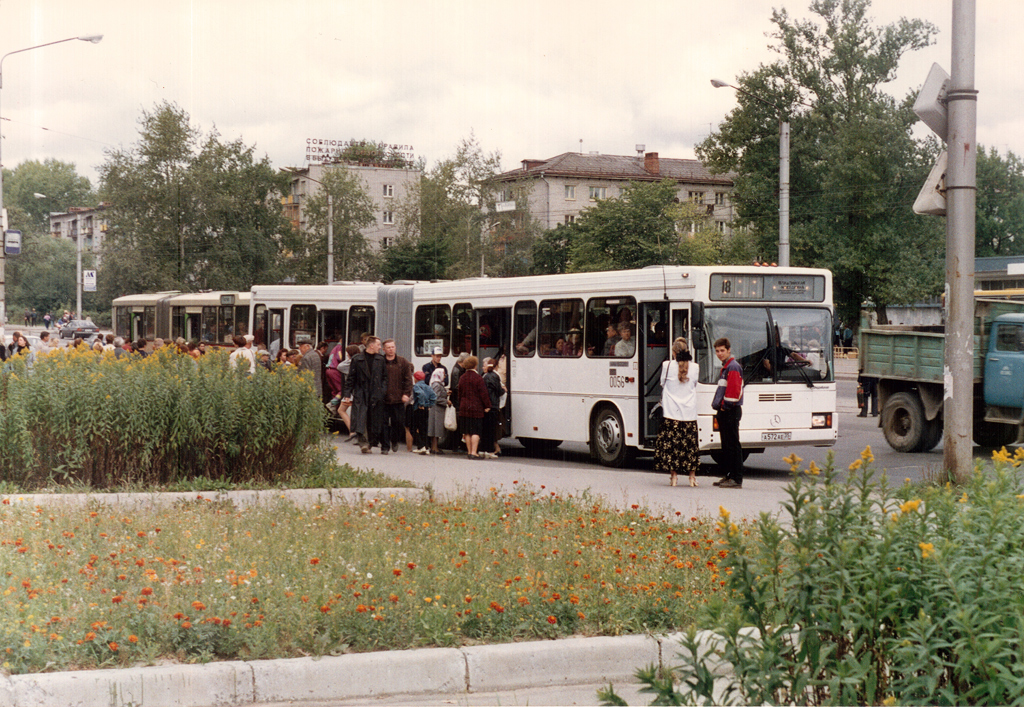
996	263
616	167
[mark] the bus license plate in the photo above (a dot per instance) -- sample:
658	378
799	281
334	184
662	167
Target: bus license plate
776	436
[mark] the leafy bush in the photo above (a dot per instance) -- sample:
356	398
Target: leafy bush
79	417
866	595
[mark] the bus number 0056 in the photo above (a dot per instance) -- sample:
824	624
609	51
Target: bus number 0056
616	381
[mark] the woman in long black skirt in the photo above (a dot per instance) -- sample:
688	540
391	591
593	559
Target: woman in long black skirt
676	450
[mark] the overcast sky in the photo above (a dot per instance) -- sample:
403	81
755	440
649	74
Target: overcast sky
531	79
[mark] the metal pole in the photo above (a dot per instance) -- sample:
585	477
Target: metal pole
78	274
784	193
330	238
961	187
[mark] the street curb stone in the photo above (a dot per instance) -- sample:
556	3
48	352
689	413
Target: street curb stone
241	499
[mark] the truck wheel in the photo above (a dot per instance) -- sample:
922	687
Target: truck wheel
608	438
932	434
903	422
993	435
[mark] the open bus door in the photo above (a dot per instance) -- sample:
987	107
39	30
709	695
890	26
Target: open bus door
656	338
493	339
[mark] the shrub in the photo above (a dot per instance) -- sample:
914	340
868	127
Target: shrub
866	595
79	417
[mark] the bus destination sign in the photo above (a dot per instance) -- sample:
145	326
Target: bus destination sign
767	288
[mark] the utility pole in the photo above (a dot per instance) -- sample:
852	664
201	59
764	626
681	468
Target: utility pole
961	190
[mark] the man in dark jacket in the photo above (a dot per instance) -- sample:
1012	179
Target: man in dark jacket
399	392
365	386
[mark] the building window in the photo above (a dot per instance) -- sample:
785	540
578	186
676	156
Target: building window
570	192
597	193
389	217
720	226
389	191
719	198
569	218
386	242
697	197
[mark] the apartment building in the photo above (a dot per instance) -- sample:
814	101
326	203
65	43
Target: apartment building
387	186
560	188
85	222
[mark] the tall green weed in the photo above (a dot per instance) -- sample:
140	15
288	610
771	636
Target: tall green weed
75	416
864	594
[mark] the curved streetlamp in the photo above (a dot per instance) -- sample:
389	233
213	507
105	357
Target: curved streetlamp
93	39
783	169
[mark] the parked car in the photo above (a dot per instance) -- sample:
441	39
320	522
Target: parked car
79	329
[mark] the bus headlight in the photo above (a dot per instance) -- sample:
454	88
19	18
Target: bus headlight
821	420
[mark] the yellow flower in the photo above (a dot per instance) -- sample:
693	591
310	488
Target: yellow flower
866	455
889	701
927	550
724	512
963	499
910	506
813	469
856	464
1001	455
793	460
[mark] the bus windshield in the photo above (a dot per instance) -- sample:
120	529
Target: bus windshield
773	344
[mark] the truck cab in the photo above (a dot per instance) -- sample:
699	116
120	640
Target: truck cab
1003	384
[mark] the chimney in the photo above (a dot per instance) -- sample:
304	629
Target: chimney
651	165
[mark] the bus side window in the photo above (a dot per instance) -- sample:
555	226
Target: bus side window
524	332
604	315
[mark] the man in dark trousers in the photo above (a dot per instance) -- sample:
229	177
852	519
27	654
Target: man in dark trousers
399	375
728	406
365	386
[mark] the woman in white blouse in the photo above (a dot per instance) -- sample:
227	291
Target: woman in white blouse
676	450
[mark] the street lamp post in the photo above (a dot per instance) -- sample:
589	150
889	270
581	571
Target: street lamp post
783	170
94	39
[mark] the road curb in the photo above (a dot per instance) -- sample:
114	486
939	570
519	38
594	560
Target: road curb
241	499
454	671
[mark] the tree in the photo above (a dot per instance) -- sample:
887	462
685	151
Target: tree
59	185
43	276
443	220
633	231
352	212
1000	204
855	167
190	212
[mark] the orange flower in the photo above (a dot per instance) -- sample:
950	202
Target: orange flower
198	606
186	624
133	638
361	609
113	646
178	616
325	609
146	591
552	620
117	599
314	560
411	565
90	636
396	572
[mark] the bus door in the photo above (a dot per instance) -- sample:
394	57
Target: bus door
653	340
332	327
493	340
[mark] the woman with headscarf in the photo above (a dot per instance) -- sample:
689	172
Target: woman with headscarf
435	422
474	402
676	449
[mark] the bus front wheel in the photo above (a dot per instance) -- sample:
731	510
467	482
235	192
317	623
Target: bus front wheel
608	438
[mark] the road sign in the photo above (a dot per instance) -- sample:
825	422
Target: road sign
88	280
12	242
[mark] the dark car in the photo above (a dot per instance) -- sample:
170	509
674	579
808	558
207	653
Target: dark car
79	329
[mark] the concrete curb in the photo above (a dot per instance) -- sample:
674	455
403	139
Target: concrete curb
241	499
454	671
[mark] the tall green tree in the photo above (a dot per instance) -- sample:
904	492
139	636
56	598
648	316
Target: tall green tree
855	166
1000	204
445	218
352	212
190	212
60	187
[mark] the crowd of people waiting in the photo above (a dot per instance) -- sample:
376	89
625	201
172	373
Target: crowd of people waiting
384	402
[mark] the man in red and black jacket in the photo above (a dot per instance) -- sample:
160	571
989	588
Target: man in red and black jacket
728	405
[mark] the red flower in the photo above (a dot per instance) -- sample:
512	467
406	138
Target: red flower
146	591
552	620
397	572
314	560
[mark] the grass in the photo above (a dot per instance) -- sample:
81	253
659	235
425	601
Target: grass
87	588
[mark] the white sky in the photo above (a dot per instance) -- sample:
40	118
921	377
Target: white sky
531	78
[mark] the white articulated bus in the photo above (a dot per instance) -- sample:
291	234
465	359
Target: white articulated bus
332	313
212	317
573	374
572	378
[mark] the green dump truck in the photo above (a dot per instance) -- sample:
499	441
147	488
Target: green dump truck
907	361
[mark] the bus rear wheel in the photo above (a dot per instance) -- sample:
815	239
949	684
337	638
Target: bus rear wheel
608	438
